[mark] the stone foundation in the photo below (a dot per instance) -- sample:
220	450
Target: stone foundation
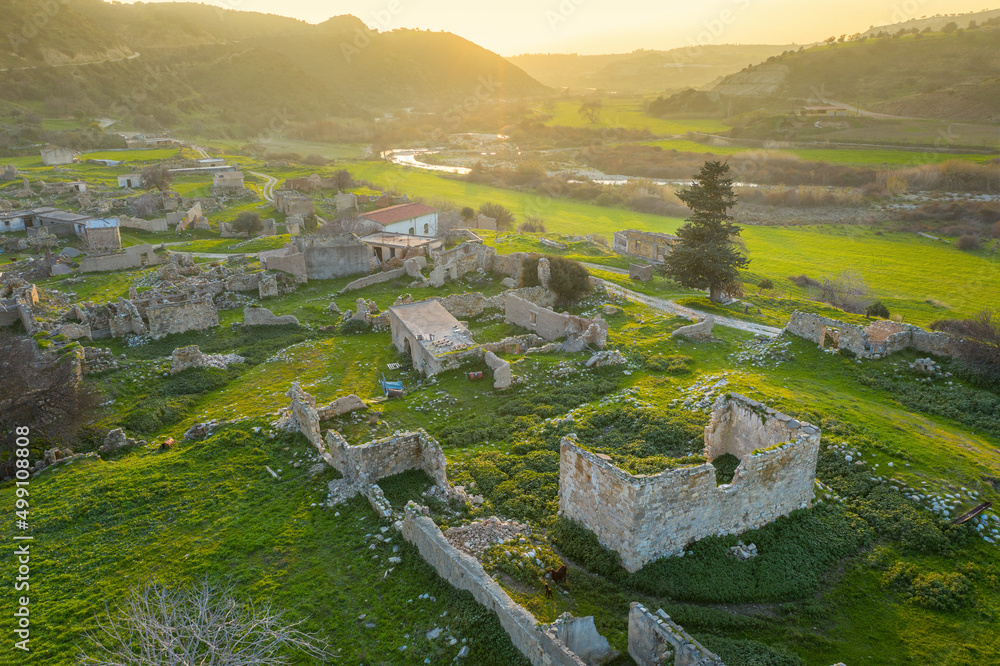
645	517
367	463
195	315
553	325
702	329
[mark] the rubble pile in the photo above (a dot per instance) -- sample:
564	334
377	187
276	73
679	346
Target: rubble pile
476	537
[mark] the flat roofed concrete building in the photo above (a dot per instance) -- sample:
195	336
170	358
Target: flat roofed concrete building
430	335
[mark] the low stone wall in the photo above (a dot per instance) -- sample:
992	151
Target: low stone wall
152	226
104	263
503	375
167	318
376	278
878	339
656	640
702	329
285	261
264	317
367	463
538	644
645	517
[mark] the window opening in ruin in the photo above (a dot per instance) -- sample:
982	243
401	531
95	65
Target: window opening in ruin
427	229
413	231
406	347
534	317
725	468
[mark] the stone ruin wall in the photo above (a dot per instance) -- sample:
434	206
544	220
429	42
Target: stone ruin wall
167	318
367	463
645	517
463	571
375	278
656	640
880	338
552	325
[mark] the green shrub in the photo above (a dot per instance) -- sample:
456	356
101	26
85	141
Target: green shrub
353	327
569	279
748	652
942	591
765	284
529	271
581	545
878	309
725	468
673	365
198	380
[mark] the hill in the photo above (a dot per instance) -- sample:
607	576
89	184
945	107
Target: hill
934	23
88	57
643	71
946	75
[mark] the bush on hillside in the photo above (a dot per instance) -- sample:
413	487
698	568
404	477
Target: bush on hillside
878	309
569	279
968	242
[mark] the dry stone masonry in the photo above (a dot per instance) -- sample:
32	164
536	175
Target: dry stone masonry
879	339
194	315
656	640
645	517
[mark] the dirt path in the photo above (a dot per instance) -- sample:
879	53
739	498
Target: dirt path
664	305
269	186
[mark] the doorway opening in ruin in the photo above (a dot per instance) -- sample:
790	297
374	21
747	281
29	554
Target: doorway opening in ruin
406	347
378	254
725	468
831	338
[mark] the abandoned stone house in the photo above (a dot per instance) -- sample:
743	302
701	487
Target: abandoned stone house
99	235
411	219
429	334
291	202
319	257
645	517
552	325
56	222
131	181
880	338
645	244
228	180
12	221
57	156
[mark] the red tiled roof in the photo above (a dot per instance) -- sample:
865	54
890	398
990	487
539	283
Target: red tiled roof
394	214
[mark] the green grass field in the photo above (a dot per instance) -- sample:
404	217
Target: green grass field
629	114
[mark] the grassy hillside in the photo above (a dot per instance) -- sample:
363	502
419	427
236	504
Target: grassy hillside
643	71
932	75
255	71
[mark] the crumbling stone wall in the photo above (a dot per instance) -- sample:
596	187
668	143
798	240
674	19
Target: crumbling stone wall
153	226
367	463
503	375
538	644
640	272
645	517
703	329
879	339
649	245
553	325
193	315
659	641
375	278
264	317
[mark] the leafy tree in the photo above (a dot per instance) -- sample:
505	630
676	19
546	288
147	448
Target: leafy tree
41	391
591	110
344	179
157	176
249	222
468	213
707	256
504	217
950	27
766	284
568	279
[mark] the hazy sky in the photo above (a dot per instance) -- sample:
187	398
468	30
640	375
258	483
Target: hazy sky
511	27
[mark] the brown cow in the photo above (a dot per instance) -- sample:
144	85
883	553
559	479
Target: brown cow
558	575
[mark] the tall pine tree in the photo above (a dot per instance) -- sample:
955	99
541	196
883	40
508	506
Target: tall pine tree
706	257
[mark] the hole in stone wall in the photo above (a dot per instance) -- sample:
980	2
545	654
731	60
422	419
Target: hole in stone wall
725	468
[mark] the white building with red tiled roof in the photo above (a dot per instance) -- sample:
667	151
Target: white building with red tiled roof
412	219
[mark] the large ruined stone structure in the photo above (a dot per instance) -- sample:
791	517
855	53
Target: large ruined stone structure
645	517
193	315
367	463
319	257
553	325
648	245
880	338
